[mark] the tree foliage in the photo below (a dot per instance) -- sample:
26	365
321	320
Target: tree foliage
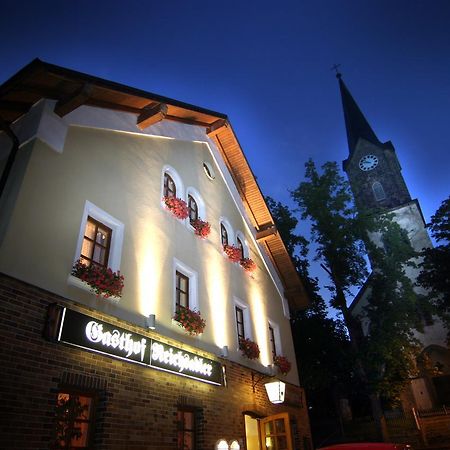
435	265
382	355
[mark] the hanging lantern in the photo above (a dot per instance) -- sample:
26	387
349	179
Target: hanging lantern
275	391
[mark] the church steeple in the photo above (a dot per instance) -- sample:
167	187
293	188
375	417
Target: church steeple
355	122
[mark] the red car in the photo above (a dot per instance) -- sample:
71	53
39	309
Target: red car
367	446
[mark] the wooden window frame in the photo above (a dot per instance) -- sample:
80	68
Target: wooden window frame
240	322
272	340
181	430
167	189
193	208
178	291
106	247
241	247
90	420
224	235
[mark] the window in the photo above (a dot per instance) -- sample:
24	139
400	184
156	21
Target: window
223	234
75	418
181	291
185	287
170	189
186	430
240	322
272	341
100	238
378	191
193	209
240	246
96	243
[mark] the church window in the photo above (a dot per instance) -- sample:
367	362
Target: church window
378	191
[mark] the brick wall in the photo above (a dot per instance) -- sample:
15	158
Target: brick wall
136	407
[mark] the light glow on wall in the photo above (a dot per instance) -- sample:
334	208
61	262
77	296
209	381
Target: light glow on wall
218	297
149	253
260	321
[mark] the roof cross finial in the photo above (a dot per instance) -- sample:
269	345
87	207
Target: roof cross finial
335	67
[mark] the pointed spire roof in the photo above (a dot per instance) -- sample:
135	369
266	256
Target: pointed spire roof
355	122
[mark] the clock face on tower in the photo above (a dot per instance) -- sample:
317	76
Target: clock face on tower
368	162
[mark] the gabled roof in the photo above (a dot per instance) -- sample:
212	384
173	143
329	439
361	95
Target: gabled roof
72	89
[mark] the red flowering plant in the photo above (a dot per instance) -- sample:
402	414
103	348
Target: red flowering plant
249	348
283	364
234	253
191	320
202	228
176	206
248	264
102	280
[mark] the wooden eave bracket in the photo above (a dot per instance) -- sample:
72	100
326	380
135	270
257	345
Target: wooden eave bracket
151	115
216	127
66	105
266	230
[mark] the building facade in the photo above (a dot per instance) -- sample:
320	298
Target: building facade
146	291
375	177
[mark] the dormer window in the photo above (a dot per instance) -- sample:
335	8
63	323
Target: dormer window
170	189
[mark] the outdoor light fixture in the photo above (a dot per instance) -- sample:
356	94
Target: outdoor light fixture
224	352
151	322
275	391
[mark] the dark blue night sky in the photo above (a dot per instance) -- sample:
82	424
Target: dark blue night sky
267	66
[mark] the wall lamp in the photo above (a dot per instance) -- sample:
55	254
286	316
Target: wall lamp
275	389
224	351
151	322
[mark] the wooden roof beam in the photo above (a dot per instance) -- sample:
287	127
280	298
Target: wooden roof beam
216	127
151	115
266	230
66	105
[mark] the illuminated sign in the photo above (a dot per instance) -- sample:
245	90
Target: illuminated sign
82	331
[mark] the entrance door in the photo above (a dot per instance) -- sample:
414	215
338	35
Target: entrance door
276	432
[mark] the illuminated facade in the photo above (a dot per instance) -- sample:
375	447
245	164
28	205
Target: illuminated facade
148	290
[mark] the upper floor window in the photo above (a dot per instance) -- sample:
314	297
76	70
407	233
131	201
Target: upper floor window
223	234
169	189
193	209
181	291
240	327
272	341
240	246
96	243
378	191
100	238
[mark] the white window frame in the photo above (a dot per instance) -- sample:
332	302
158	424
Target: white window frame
248	334
176	179
117	227
179	266
200	204
241	237
226	223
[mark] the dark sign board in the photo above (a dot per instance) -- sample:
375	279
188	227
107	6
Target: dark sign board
83	331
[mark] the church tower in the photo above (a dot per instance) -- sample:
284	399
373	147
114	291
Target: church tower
375	176
372	166
378	186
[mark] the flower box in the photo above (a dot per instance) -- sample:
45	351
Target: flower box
201	228
282	363
190	320
248	264
248	348
233	253
102	281
177	207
